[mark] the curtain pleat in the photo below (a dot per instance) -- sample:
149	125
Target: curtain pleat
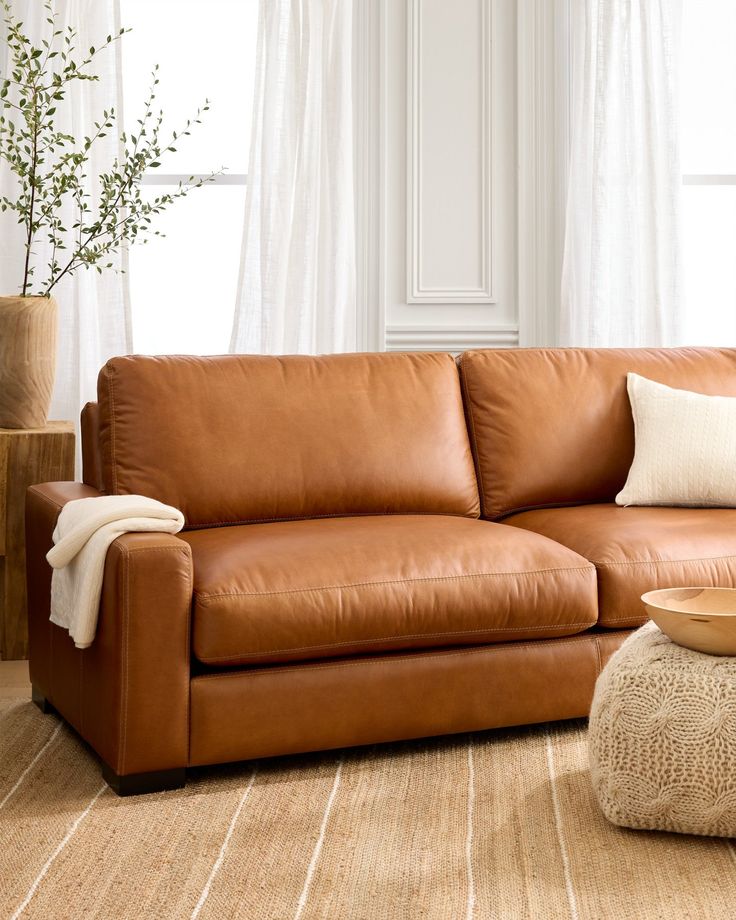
621	272
296	292
94	315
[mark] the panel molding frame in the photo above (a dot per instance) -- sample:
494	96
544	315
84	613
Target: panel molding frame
369	25
543	138
416	292
433	337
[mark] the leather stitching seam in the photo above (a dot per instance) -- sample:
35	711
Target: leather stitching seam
201	596
390	659
465	382
47	500
123	730
400	638
113	463
663	561
188	652
82	697
318	517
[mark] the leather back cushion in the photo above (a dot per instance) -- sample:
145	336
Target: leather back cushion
554	426
91	460
238	438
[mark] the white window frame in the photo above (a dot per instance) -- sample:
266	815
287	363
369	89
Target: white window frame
709	179
157	178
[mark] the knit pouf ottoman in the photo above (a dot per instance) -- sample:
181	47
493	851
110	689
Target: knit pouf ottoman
662	737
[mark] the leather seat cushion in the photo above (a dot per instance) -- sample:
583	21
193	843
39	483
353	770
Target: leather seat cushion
313	589
639	549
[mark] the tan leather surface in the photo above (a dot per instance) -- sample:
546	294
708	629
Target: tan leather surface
281	710
554	426
342	586
249	438
640	549
91	460
609	643
43	503
128	694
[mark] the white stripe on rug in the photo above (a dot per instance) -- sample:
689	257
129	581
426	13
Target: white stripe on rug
320	840
50	861
218	862
731	850
31	765
470	906
571	900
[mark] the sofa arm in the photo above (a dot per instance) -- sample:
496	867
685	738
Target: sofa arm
43	505
128	693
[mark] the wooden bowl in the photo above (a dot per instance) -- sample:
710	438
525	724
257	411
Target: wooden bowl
703	619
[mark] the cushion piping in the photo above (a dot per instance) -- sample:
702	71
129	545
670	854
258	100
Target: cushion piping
205	597
236	656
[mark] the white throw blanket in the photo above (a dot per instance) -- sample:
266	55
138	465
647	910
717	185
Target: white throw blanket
83	533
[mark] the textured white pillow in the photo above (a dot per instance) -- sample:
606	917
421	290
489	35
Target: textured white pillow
685	451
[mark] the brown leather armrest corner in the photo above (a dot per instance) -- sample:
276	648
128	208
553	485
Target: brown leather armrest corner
128	693
43	505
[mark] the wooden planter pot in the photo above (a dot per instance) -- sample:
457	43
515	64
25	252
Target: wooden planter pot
27	360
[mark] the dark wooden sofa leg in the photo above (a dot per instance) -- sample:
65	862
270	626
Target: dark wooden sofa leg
134	783
40	700
139	783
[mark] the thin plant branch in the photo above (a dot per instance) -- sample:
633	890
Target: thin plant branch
52	167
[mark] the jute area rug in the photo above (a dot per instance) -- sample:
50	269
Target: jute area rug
494	825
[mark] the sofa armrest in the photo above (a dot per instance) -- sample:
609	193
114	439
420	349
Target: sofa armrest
128	693
43	506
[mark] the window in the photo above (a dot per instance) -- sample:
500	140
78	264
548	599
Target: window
183	285
708	123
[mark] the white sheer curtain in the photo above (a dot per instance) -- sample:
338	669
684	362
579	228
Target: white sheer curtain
621	272
94	318
297	279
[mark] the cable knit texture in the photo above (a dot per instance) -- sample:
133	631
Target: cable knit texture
662	737
685	445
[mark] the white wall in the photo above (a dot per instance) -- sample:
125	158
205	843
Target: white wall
462	122
450	231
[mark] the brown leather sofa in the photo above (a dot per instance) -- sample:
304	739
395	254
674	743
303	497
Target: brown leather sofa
343	577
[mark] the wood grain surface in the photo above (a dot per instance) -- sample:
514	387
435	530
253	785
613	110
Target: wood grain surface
27	456
27	360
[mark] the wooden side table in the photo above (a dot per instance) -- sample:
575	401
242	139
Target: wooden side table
27	456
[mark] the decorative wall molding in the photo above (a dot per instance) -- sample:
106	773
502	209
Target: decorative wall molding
543	120
369	164
450	338
417	290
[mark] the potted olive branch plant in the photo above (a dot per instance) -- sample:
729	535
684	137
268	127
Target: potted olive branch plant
51	172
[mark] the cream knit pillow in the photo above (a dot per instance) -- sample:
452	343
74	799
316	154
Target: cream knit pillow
685	451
